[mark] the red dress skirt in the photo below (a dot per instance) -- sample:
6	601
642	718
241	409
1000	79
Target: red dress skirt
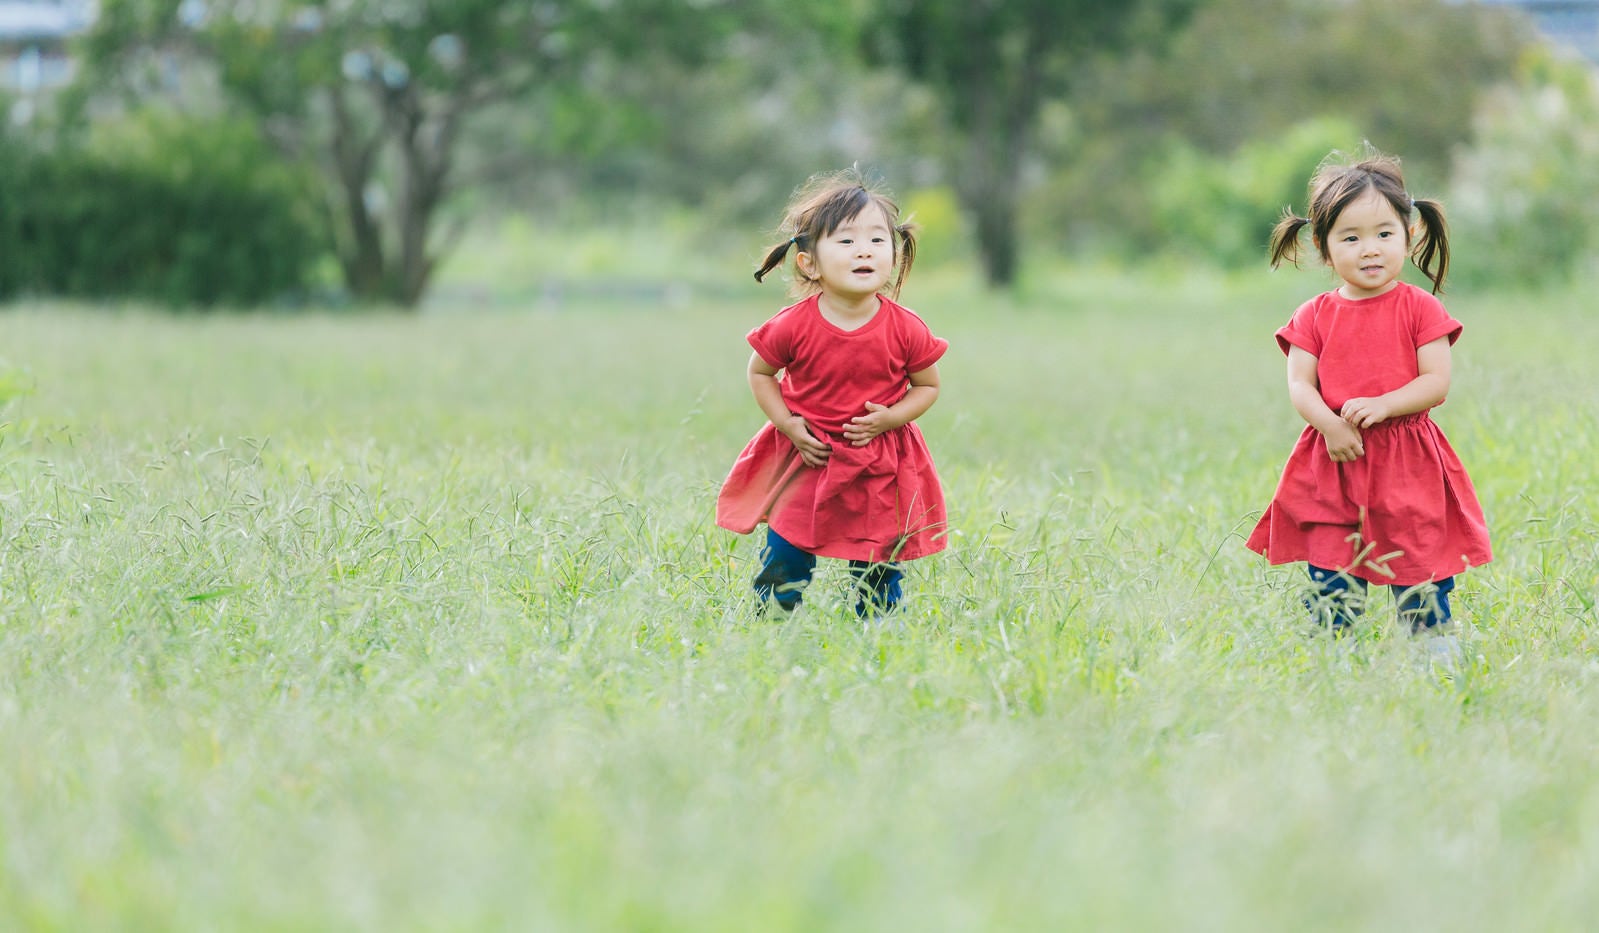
881	502
1404	512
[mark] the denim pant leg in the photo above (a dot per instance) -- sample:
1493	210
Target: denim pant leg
1425	605
1337	600
877	589
785	572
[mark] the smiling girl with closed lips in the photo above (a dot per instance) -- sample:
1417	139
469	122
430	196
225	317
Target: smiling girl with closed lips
1372	492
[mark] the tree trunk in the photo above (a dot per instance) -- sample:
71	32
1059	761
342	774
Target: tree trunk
997	238
360	251
425	167
989	188
995	116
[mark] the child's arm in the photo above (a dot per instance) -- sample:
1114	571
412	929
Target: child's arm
879	418
769	395
1419	394
1304	390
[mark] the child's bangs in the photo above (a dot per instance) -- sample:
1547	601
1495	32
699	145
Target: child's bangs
839	209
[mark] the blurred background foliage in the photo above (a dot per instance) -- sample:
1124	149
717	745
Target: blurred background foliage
230	152
157	207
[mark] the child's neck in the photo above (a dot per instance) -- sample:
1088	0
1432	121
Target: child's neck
848	312
1355	293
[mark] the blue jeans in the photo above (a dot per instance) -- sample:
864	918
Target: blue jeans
786	572
1339	598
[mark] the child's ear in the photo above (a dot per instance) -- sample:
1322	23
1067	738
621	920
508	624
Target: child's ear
802	262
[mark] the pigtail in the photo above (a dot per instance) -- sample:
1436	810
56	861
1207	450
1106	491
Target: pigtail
775	256
1285	238
907	254
1433	244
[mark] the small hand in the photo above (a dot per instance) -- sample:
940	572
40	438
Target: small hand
1365	412
811	450
862	428
1343	442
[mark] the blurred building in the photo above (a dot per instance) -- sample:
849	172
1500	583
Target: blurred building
33	41
34	57
1570	24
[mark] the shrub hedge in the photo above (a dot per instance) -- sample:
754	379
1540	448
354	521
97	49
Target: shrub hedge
156	207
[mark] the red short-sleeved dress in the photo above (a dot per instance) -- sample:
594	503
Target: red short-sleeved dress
879	502
1404	512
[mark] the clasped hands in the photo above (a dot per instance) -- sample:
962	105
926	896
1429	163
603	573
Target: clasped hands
858	431
1343	439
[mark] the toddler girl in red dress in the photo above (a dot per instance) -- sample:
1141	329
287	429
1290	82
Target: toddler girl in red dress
1372	491
840	469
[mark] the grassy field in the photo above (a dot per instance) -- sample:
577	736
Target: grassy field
381	622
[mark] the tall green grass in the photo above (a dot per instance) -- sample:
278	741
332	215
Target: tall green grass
422	622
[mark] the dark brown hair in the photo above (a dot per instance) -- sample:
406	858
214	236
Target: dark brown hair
822	205
1337	184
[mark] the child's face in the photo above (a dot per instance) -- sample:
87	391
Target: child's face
1367	246
857	259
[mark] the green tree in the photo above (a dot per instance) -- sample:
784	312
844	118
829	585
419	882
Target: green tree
1524	200
1221	209
1405	75
994	64
1407	72
379	94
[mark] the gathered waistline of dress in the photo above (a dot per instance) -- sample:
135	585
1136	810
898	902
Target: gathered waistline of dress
839	437
1420	417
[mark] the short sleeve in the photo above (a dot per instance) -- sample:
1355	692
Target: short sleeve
774	340
922	349
1300	331
1432	321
